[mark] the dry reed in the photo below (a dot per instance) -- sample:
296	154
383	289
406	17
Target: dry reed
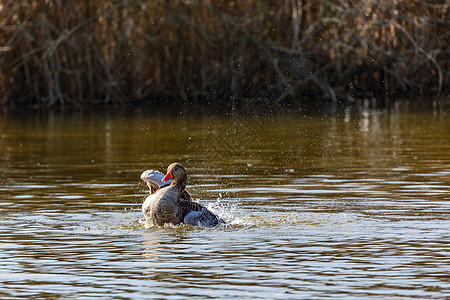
123	51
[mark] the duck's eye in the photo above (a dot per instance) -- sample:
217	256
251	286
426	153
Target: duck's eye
175	169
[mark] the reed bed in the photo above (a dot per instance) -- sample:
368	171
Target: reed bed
125	51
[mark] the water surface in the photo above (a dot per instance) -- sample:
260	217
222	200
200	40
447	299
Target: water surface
350	204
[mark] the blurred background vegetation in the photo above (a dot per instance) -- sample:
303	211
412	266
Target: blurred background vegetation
56	52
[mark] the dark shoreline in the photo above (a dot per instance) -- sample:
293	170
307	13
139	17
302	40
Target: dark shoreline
178	108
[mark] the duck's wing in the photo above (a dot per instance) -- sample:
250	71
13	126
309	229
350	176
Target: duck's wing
154	181
186	196
196	214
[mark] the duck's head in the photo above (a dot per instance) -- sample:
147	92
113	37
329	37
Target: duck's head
175	172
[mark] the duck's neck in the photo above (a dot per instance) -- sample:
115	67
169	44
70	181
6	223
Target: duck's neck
180	185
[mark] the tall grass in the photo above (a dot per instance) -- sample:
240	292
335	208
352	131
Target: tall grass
123	51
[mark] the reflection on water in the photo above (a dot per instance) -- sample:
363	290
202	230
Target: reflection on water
351	204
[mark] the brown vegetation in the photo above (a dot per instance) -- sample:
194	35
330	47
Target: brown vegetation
121	51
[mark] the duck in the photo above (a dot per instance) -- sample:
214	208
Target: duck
170	203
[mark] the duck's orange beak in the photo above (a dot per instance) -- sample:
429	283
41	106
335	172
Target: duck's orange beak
168	176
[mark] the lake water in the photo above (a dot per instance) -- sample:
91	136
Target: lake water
350	204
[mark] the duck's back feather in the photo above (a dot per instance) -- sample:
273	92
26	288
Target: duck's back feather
196	214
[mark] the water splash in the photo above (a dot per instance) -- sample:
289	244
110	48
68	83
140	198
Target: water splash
226	211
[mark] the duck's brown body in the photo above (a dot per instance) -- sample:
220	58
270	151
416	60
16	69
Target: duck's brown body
162	207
